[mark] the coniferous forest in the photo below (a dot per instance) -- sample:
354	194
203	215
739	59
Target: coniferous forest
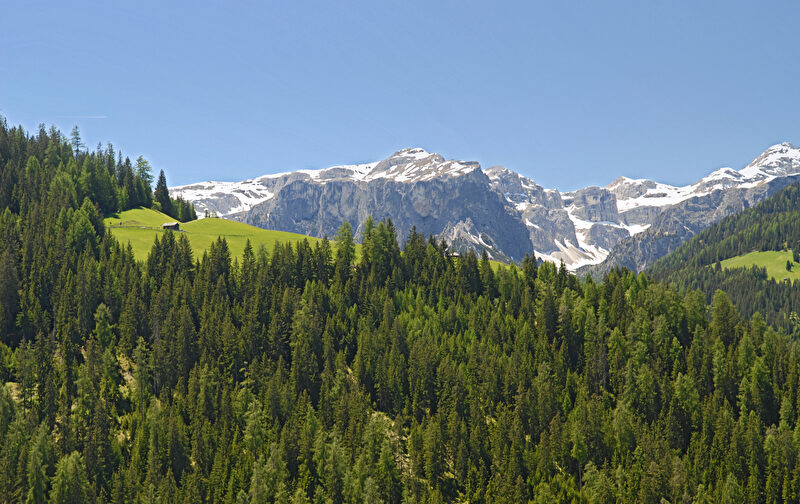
773	224
308	374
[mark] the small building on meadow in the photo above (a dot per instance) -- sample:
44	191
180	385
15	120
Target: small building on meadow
174	226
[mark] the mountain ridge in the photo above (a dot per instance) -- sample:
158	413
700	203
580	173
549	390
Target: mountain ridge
501	211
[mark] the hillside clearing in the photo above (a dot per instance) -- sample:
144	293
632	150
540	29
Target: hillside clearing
140	226
773	261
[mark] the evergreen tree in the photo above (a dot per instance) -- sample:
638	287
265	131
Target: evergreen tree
70	483
9	295
145	172
345	248
77	144
38	465
161	194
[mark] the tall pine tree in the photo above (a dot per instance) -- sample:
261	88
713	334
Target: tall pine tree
161	194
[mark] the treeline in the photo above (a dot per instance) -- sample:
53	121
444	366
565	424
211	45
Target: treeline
48	161
303	374
773	224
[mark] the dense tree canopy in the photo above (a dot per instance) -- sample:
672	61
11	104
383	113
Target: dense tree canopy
773	224
303	374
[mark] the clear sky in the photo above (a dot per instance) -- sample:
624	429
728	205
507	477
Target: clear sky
567	93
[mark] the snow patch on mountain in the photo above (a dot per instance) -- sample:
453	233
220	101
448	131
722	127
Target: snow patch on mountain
779	160
573	256
238	196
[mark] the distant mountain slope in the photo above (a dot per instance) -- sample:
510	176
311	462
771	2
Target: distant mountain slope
679	222
695	207
772	225
631	222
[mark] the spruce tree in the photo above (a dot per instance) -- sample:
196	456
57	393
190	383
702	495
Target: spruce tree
9	293
75	136
144	171
70	483
38	462
161	194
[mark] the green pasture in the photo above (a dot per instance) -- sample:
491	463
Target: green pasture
773	261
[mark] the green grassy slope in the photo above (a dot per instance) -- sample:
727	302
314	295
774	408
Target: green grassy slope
204	231
140	226
774	262
146	217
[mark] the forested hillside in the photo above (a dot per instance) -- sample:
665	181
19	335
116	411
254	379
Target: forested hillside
772	225
60	173
300	375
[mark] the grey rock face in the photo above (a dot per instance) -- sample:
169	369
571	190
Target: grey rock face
433	206
641	215
546	226
517	189
606	236
464	236
595	204
624	188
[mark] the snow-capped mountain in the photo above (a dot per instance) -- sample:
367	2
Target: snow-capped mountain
494	209
407	165
680	212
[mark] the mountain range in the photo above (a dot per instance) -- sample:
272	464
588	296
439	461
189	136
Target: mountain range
629	222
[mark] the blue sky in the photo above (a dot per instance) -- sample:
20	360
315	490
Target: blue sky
567	93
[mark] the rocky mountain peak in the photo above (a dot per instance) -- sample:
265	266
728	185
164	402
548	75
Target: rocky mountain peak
777	161
626	188
496	172
722	178
782	147
417	164
413	153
